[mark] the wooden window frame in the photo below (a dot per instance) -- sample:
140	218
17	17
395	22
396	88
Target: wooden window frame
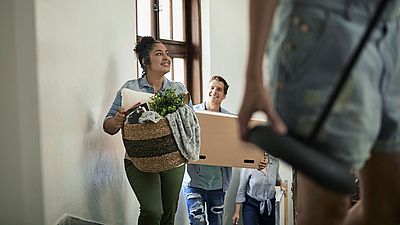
189	49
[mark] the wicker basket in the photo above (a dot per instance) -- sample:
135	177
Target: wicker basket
151	146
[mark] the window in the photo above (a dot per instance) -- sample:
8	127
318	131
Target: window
177	24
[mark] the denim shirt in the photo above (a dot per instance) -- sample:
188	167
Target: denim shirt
192	176
258	185
143	85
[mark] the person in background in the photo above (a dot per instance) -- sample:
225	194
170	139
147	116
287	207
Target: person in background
205	186
157	193
309	42
256	194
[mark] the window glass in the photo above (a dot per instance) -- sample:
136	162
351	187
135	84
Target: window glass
165	19
179	70
178	20
144	17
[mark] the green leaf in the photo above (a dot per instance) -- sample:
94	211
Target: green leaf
166	102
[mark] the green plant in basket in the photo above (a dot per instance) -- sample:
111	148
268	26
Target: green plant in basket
166	102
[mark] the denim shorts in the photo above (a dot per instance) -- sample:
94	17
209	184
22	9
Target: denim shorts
310	44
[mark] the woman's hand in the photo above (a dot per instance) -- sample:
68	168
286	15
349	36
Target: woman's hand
235	218
119	119
112	124
257	98
263	163
236	215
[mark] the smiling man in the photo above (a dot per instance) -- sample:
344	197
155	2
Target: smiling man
205	186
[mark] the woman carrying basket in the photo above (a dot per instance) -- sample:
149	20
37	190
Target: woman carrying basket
157	193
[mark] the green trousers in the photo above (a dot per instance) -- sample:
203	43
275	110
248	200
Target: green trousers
157	193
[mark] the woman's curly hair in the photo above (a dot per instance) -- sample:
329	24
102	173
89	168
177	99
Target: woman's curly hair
142	51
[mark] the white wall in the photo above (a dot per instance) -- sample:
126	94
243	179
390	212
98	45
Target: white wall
228	44
84	54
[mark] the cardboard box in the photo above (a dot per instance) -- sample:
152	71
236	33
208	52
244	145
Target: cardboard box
221	144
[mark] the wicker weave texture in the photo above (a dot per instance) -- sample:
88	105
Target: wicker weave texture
159	163
146	131
151	146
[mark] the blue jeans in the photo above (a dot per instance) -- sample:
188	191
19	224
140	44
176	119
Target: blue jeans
311	42
251	213
204	204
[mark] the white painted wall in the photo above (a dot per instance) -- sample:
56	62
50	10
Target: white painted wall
84	54
61	64
228	44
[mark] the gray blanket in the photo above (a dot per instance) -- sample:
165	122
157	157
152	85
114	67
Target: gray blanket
186	130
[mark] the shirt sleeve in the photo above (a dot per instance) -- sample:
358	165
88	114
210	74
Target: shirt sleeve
115	105
181	88
241	192
278	178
